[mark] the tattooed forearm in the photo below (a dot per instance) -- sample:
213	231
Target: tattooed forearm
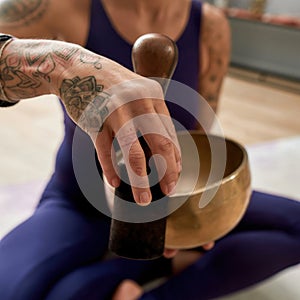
22	12
66	54
25	69
32	68
87	59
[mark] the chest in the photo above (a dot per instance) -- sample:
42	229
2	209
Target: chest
131	23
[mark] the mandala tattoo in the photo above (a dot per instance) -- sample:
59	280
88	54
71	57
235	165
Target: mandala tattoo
85	102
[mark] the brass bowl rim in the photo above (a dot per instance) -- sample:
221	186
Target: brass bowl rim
229	177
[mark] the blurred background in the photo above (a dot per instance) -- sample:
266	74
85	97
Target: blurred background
259	107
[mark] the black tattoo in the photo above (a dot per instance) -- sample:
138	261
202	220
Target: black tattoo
25	81
66	53
94	116
211	98
219	62
34	52
85	102
213	78
16	80
31	60
46	67
28	68
87	59
22	12
84	89
13	77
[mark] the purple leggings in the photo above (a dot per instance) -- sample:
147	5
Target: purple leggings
59	252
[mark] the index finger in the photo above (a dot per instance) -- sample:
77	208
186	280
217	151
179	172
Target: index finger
135	163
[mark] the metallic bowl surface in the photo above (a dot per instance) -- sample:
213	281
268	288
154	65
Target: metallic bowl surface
191	226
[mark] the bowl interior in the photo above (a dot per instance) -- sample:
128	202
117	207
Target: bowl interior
217	199
207	161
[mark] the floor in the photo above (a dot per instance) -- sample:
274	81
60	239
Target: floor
260	114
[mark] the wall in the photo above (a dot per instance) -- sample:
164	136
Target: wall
266	48
289	7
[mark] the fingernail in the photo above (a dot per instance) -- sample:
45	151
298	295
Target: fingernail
144	198
115	182
171	187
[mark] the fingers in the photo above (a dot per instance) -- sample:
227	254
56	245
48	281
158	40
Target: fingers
162	110
106	156
137	173
150	117
166	161
135	161
166	157
161	137
170	253
208	246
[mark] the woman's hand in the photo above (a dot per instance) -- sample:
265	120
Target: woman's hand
103	98
134	105
184	258
170	253
139	107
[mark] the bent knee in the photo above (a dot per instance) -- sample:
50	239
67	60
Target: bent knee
18	284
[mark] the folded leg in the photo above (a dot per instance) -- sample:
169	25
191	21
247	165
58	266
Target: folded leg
56	240
99	280
266	241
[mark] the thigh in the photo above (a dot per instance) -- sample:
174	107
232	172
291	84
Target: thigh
270	212
265	242
57	239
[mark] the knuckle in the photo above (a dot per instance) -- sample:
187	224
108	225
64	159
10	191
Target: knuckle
172	176
137	161
165	145
156	89
104	154
108	170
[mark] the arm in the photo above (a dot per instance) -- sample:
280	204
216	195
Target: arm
215	55
98	95
47	19
27	19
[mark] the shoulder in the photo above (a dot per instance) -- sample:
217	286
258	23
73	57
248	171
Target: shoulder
215	38
38	18
214	22
28	19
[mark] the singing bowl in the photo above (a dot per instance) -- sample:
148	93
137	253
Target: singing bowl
223	182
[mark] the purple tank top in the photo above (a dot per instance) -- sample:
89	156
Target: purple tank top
119	50
101	30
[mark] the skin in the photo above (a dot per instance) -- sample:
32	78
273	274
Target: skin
65	70
46	73
100	104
